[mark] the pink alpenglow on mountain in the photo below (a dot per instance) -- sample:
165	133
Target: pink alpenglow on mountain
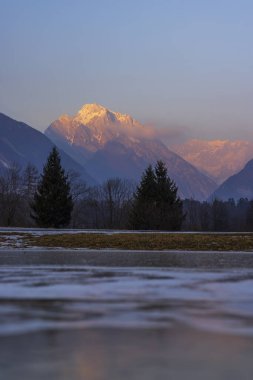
218	158
110	144
93	126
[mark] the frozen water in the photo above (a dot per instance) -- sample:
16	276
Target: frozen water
36	298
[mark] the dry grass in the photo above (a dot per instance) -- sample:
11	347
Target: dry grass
147	241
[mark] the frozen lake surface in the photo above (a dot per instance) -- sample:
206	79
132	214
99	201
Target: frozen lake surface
77	321
36	298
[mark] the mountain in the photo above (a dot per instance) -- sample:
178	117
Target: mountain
238	186
90	129
111	144
218	158
23	144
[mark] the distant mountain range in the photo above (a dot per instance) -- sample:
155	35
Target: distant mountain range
111	144
22	144
100	144
237	186
217	158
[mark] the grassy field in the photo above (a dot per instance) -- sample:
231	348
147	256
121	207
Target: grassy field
145	241
134	241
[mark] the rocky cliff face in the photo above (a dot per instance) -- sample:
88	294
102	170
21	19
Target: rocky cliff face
111	144
218	158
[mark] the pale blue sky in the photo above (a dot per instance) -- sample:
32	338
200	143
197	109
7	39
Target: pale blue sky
186	65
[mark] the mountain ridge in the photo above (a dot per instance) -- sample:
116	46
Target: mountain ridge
218	158
239	185
113	141
22	144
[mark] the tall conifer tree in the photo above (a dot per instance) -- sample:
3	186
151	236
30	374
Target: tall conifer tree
52	204
169	207
156	204
144	201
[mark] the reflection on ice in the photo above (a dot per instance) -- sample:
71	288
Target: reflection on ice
39	298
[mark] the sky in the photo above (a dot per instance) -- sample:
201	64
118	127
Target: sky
185	66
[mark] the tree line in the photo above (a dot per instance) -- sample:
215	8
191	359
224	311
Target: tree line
58	199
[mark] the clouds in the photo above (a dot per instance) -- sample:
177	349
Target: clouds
169	134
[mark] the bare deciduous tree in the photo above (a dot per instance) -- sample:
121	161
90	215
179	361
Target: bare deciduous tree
10	195
114	197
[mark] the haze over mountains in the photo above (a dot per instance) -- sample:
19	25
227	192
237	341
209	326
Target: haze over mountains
110	144
239	185
101	144
218	158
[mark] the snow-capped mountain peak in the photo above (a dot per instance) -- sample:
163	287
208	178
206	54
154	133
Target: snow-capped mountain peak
111	144
91	112
93	126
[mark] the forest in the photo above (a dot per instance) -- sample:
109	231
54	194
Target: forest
153	204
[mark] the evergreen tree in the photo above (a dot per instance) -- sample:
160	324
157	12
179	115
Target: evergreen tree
169	207
219	215
144	200
249	216
156	204
52	204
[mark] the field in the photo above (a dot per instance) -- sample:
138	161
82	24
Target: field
131	241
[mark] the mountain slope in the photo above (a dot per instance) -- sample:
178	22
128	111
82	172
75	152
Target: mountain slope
111	144
237	186
90	129
218	158
23	144
117	159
